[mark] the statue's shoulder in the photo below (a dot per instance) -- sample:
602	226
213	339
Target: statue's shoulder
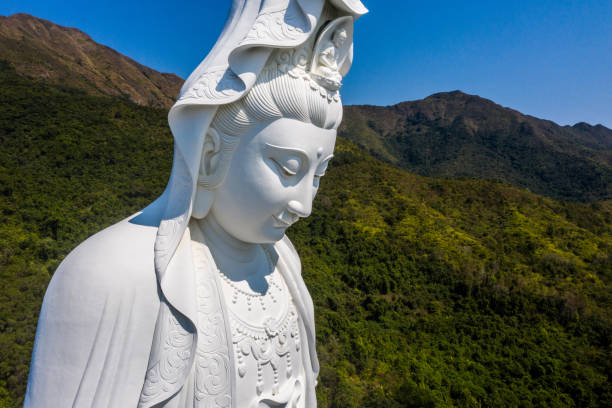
120	255
98	316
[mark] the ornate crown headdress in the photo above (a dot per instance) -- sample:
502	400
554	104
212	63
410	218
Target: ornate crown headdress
323	60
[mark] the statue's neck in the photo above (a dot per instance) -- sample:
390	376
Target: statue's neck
223	243
237	259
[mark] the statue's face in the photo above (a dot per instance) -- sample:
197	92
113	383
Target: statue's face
272	180
339	38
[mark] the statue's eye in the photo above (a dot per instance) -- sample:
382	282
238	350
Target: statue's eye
289	165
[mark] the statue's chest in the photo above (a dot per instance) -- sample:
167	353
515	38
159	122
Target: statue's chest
265	333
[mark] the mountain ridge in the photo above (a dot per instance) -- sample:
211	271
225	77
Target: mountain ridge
447	134
460	92
453	134
42	50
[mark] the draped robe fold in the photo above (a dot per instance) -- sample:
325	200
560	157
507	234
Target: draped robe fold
98	319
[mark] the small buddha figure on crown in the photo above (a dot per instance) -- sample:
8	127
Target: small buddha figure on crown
330	55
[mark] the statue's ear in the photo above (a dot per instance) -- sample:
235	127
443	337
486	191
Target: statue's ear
210	157
208	176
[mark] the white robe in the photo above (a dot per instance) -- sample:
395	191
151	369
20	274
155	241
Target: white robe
99	315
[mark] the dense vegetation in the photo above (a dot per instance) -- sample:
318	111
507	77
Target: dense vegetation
428	292
433	292
70	164
452	134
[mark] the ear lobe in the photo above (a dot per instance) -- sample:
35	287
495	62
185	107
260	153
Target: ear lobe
202	203
210	150
209	176
216	157
208	166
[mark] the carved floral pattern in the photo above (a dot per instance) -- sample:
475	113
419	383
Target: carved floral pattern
163	376
269	343
279	23
171	229
294	62
212	363
217	83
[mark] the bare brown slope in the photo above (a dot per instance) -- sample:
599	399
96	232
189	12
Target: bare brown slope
42	50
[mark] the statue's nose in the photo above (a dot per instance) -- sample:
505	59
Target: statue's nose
299	209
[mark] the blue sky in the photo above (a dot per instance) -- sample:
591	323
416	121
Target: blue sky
550	59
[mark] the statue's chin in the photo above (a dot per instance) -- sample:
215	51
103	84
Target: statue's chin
277	235
245	231
268	236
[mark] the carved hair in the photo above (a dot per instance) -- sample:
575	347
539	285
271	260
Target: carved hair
283	90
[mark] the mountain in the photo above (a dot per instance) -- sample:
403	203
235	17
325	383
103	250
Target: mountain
444	135
428	292
42	50
453	134
598	136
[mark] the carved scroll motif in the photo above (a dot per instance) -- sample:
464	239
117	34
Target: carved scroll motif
164	375
212	363
218	83
279	23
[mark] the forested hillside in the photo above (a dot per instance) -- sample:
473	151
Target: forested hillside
449	134
428	292
452	134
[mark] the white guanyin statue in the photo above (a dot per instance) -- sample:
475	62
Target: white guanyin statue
198	301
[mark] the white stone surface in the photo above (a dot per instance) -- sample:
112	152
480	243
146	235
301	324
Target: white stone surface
198	300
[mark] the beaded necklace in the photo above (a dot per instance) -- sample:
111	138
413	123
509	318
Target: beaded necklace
252	296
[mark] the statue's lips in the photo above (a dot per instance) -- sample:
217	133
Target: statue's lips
281	223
